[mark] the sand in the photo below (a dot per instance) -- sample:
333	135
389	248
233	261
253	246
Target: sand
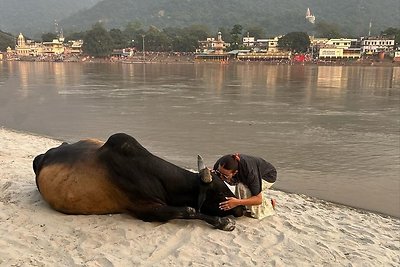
303	232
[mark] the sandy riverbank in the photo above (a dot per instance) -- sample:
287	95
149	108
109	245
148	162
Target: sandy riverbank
304	231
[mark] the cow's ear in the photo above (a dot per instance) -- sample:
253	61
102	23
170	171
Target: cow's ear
205	175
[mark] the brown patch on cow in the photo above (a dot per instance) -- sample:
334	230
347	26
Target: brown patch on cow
81	188
94	141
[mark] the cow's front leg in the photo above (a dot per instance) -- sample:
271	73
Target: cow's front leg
163	213
222	223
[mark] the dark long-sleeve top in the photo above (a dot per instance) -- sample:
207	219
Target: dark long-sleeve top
250	172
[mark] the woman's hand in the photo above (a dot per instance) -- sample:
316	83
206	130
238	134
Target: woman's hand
230	203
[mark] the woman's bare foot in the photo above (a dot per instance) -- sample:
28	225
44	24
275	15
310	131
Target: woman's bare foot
273	202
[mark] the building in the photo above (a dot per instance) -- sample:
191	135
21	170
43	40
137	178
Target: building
248	41
318	42
339	53
213	45
55	47
74	47
262	50
344	43
263	56
374	45
212	50
270	45
24	47
396	57
123	53
341	48
53	50
30	48
309	16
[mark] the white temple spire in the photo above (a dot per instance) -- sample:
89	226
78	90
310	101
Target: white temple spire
309	16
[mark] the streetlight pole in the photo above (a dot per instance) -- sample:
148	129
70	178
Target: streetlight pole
144	59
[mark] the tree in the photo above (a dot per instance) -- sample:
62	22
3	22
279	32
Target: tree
237	29
133	32
200	32
236	36
256	32
174	36
295	41
119	39
156	40
393	32
192	35
186	39
184	43
75	36
97	42
226	36
6	40
48	37
327	30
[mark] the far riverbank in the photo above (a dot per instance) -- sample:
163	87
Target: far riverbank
189	58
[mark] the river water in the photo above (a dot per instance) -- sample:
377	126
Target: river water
333	132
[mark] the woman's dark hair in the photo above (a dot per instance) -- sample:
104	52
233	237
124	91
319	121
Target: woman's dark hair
230	162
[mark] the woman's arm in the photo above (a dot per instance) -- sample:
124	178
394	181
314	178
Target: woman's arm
232	202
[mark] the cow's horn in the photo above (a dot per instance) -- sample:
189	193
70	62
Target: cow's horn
204	172
200	163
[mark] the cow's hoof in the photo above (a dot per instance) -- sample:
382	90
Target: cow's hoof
226	224
189	212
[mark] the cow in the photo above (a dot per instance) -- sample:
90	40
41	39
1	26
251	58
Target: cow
121	176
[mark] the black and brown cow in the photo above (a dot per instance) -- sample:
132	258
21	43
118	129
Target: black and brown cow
120	175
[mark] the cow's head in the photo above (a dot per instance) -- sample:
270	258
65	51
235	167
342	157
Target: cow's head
212	192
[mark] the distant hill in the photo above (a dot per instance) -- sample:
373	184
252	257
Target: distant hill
6	40
36	16
275	17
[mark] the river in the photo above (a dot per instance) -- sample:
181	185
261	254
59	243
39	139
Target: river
333	132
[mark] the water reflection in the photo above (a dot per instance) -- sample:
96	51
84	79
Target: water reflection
3	72
332	77
395	81
361	78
